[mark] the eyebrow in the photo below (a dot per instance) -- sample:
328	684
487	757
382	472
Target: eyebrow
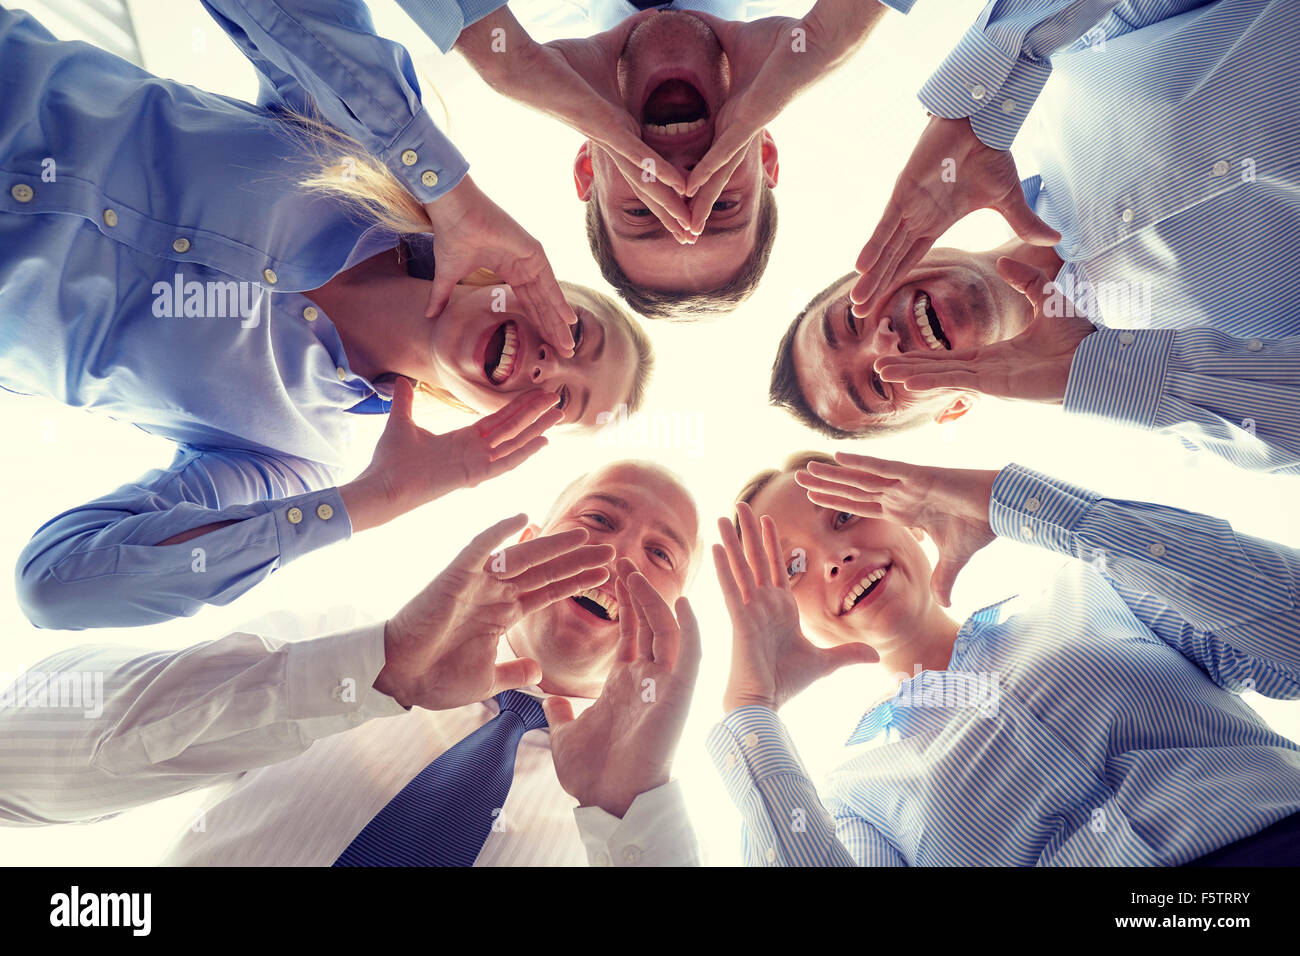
599	347
622	505
856	398
829	331
662	233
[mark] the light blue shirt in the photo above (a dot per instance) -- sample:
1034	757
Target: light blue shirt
1167	146
119	194
1101	725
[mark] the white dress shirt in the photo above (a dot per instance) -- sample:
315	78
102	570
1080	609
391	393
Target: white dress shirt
308	753
547	20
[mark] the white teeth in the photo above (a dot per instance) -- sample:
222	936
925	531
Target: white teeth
604	600
860	588
674	129
923	321
506	364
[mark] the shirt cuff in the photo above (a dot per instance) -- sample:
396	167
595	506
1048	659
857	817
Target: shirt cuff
902	6
655	831
1034	509
332	678
442	21
1120	375
304	523
750	744
425	160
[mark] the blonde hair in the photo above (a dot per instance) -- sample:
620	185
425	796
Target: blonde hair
347	171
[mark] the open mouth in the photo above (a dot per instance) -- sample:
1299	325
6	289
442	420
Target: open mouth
502	353
927	320
866	585
597	604
674	108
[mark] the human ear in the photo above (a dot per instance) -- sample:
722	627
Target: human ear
529	533
583	174
768	156
955	409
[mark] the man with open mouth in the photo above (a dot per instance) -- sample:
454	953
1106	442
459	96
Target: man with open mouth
481	760
677	168
1132	290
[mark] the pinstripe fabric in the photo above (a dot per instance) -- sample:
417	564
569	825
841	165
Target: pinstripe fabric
1097	725
442	817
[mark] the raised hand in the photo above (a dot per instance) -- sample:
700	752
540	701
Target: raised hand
771	660
624	743
950	504
949	175
1032	367
470	232
411	466
440	649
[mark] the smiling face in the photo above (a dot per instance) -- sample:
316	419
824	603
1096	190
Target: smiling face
952	299
485	351
648	518
855	579
674	77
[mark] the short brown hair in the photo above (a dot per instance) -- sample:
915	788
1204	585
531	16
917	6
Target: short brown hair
685	305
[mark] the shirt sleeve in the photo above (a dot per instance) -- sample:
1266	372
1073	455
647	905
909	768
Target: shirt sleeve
1234	397
443	20
785	823
995	73
99	565
360	83
1225	601
96	730
655	831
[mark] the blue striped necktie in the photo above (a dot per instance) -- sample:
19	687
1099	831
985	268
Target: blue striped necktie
444	816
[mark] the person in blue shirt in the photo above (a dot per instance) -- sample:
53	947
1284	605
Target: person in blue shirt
1161	224
160	262
1098	724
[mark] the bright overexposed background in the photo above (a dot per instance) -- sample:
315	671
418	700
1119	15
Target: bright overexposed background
840	147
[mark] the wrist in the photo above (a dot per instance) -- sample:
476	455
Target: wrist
387	681
369	504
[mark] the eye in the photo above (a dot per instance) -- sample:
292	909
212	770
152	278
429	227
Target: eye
851	319
879	386
842	519
722	205
662	556
564	398
637	212
597	516
791	571
576	329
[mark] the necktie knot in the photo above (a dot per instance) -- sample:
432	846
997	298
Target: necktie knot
525	707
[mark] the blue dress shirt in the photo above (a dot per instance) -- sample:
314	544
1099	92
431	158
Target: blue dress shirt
153	252
1101	725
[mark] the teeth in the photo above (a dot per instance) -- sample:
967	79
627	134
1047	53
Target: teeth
860	589
923	321
506	364
674	129
604	600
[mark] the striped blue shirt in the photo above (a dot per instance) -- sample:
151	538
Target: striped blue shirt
1099	724
1167	146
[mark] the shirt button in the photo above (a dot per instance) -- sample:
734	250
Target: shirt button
110	217
1033	504
1157	550
409	157
977	92
1127	338
22	192
1027	531
1254	345
632	854
270	276
1127	215
310	313
429	178
751	741
294	515
341	372
770	854
1220	168
181	245
730	761
1008	106
324	512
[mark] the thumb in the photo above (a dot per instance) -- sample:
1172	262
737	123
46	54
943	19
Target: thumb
440	293
943	578
515	674
1025	221
403	400
842	655
558	712
1033	283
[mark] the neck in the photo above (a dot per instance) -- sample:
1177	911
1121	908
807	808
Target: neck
927	643
378	311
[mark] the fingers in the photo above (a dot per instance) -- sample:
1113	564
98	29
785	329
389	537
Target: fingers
634	153
884	246
740	570
1033	283
727	582
403	400
626	623
512	675
563	567
511	420
775	553
1015	210
883	467
690	650
702	202
644	648
558	712
542	299
669	208
840	480
659	617
842	655
854	506
518	558
883	278
475	554
727	151
534	601
440	291
943	578
752	538
550	418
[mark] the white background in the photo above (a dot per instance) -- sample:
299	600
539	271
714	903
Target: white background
840	147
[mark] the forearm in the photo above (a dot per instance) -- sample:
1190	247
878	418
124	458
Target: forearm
498	49
144	725
842	26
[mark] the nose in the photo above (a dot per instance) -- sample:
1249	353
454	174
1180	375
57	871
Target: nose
544	365
837	565
884	340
